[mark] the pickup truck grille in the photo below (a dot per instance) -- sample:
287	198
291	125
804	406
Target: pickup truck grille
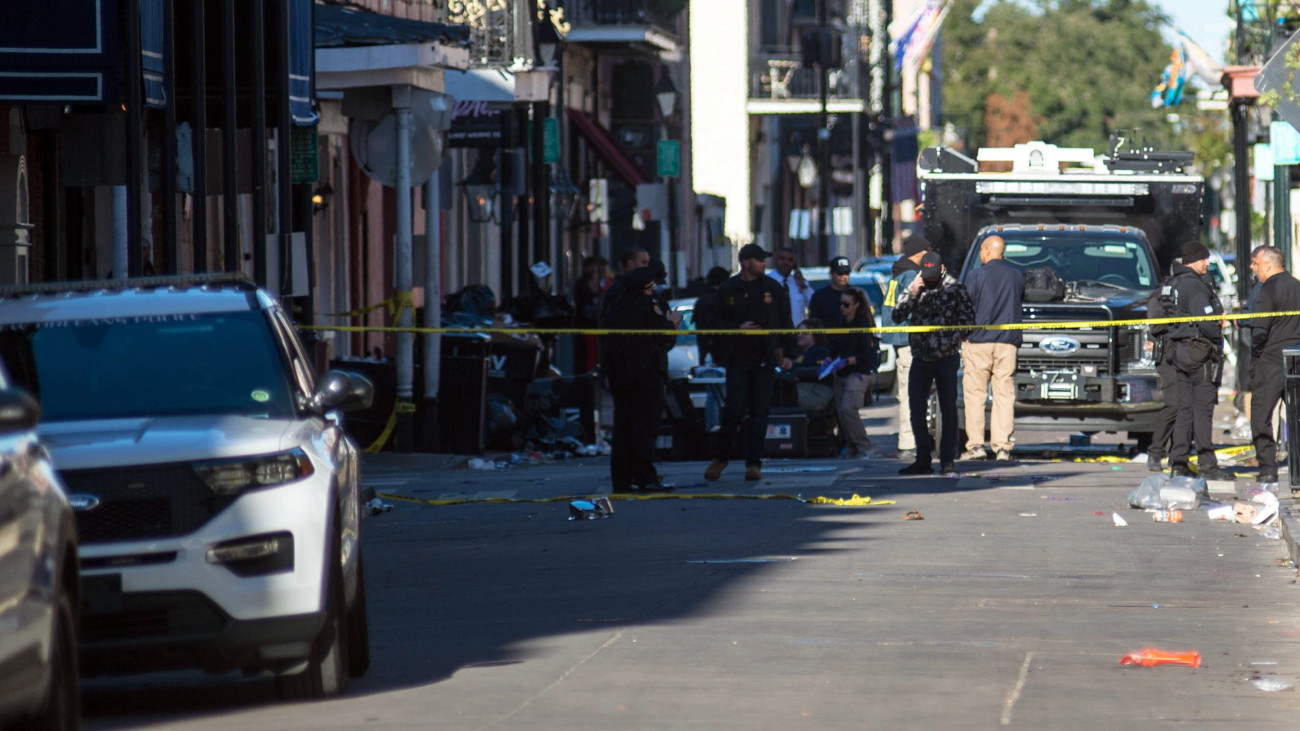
139	503
1024	363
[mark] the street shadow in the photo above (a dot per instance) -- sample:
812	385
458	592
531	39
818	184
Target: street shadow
462	588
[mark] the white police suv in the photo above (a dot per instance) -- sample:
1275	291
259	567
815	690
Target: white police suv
216	495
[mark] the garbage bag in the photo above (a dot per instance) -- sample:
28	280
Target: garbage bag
1147	495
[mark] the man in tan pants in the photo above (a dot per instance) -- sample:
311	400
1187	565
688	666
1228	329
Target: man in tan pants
989	355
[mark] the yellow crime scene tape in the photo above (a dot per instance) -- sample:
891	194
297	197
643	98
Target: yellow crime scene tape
1035	324
855	501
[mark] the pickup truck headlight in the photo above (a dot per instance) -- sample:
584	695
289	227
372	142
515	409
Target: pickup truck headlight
232	476
1141	348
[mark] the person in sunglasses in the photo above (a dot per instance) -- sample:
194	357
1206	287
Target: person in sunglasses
859	350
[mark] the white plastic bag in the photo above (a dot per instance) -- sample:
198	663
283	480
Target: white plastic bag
1147	494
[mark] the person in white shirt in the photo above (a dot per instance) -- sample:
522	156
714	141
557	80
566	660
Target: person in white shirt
787	274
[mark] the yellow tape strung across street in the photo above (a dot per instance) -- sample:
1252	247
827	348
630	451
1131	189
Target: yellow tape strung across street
1050	324
394	305
854	501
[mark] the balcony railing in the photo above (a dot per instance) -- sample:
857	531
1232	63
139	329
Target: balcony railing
498	29
777	74
661	13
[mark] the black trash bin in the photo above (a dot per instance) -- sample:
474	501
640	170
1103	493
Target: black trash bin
1291	398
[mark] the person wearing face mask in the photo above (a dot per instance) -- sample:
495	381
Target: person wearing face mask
934	298
859	351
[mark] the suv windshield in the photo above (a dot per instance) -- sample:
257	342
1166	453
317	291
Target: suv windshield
1118	262
164	365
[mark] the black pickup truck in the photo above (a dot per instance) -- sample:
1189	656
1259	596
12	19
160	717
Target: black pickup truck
1090	379
1109	226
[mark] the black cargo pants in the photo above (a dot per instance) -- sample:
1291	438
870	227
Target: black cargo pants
1197	396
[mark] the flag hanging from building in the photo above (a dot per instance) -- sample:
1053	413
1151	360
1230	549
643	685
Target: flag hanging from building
914	35
1200	62
1169	92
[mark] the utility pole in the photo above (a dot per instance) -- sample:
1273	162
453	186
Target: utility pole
824	39
886	147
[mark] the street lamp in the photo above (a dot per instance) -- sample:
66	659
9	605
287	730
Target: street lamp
564	196
666	94
549	42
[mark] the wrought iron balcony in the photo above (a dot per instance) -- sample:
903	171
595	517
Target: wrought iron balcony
777	75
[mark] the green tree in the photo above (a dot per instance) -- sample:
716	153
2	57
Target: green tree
1082	68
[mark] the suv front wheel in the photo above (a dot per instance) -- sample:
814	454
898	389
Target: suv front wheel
327	668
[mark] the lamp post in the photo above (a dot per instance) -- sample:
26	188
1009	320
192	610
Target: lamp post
666	95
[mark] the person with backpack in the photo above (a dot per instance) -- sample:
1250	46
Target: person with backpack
902	274
1197	355
989	356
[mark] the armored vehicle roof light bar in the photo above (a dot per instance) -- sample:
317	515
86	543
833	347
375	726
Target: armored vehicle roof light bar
96	285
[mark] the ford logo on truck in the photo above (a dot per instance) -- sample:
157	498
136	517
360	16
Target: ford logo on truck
83	503
1059	345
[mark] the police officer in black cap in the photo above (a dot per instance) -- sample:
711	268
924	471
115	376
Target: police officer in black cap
751	300
636	366
1197	357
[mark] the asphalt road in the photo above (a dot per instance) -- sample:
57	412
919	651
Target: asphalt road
1009	604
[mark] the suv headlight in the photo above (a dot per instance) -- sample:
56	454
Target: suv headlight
231	476
1141	348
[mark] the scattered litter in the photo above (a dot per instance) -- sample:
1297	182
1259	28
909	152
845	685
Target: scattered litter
913	515
1029	515
1244	512
1099	512
1119	520
1167	516
593	509
1228	487
1055	497
1159	492
1272	533
593	450
377	506
1116	467
1220	511
1150	657
477	463
1270	684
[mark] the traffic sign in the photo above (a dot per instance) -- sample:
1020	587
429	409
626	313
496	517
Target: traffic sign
669	155
1278	82
550	140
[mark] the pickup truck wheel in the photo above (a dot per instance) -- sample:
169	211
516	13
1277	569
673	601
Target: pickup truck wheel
61	710
359	628
327	667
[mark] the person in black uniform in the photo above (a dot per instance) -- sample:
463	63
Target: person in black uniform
751	300
1269	336
1163	433
637	369
1197	357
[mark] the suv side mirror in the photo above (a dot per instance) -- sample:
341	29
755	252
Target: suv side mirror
343	390
18	411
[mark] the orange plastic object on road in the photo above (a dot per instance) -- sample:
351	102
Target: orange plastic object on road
1150	657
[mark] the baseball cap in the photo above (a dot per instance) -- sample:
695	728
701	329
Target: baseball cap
841	265
753	251
931	266
638	278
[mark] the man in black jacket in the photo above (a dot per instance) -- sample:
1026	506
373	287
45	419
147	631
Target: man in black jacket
1279	292
751	300
637	369
1197	357
934	298
989	356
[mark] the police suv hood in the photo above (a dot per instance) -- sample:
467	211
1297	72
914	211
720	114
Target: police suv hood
152	440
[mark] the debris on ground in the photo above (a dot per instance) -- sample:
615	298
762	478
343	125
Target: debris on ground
1150	657
377	506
